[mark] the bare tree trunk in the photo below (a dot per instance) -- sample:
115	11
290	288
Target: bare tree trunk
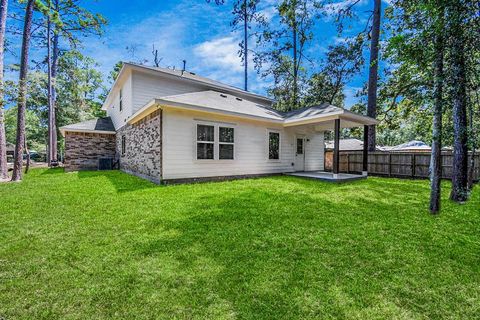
245	42
3	139
436	158
460	134
473	137
22	93
295	57
373	73
49	91
54	67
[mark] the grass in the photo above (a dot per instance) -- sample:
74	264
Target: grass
107	245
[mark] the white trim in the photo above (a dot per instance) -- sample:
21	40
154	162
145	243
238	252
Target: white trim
216	141
156	104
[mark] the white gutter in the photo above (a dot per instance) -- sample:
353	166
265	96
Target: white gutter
156	104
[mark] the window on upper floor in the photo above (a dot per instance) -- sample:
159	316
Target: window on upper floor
120	100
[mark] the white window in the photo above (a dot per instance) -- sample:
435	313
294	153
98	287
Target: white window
273	145
121	100
215	142
225	143
205	142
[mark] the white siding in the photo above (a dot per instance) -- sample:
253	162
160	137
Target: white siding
314	151
147	87
251	148
119	118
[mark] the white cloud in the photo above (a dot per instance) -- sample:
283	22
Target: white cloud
221	53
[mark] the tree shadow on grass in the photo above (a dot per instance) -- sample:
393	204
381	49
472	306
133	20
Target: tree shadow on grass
122	182
263	252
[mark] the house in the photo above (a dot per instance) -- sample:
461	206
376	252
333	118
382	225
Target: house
411	146
172	125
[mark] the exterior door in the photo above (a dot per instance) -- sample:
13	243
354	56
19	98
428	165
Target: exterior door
299	154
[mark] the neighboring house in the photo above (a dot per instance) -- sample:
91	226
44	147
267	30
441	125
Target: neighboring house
411	146
172	125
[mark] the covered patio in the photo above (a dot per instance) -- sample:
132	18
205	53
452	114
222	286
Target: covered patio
330	118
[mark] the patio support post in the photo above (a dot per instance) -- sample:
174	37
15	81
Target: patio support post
365	151
336	149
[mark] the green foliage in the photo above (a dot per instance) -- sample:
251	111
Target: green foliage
406	96
106	245
79	85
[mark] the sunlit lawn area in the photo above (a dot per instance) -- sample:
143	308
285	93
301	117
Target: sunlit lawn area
108	245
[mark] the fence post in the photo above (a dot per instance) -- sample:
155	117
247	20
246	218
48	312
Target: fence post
413	165
389	164
348	162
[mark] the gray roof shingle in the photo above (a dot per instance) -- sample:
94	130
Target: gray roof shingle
312	111
99	124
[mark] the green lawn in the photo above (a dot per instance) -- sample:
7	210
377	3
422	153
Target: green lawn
108	245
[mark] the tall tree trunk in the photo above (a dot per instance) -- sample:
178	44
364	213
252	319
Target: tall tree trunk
54	68
3	139
473	137
460	132
295	57
436	158
22	93
245	42
373	73
49	91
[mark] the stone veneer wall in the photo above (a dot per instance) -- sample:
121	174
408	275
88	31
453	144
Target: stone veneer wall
143	147
83	150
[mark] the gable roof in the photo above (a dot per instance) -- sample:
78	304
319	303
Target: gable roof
184	76
226	103
99	125
217	102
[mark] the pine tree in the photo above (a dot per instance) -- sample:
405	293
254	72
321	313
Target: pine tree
22	92
3	140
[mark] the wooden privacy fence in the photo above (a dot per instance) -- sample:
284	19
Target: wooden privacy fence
400	164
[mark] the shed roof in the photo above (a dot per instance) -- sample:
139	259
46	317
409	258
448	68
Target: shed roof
102	125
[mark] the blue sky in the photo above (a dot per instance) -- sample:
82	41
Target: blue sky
199	33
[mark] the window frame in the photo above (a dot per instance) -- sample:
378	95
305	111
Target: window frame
123	145
120	100
216	140
204	142
279	144
226	143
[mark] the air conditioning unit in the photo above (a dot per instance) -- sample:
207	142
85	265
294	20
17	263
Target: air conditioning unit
105	164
